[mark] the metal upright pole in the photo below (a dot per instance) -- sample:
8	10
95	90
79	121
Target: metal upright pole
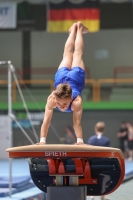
10	114
10	69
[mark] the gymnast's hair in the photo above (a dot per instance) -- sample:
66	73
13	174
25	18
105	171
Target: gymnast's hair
63	91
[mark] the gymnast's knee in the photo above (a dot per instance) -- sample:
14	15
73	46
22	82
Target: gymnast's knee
78	54
68	54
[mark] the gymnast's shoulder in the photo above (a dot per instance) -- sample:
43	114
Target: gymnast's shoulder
77	103
51	102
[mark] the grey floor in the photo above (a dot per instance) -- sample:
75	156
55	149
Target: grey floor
124	192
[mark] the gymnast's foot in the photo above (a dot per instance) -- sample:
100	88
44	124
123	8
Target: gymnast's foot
84	28
73	27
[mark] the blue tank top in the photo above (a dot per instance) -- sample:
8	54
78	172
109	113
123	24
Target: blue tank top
75	78
68	109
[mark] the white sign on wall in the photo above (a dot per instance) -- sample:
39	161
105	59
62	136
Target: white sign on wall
8	12
5	135
101	54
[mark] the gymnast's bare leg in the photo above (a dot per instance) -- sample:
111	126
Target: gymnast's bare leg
79	46
78	61
69	48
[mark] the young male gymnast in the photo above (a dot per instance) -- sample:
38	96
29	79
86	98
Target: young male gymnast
69	83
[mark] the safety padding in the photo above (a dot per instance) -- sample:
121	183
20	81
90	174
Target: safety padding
101	169
4	192
129	170
16	181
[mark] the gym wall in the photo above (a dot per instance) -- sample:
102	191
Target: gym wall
103	50
112	119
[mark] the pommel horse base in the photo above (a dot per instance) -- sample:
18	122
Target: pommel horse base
73	171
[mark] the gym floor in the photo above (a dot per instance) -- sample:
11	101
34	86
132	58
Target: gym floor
124	192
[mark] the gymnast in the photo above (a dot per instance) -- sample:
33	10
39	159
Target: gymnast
69	83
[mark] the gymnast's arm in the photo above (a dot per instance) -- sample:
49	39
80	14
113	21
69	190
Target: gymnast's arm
77	115
46	122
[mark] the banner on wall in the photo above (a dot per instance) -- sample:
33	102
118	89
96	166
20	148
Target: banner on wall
8	12
62	14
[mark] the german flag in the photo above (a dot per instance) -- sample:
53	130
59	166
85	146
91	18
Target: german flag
63	15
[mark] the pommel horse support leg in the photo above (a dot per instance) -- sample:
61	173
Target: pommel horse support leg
73	171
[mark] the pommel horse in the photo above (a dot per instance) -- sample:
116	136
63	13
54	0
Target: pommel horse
73	171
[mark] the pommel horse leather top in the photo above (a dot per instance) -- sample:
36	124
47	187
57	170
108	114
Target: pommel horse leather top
61	147
100	169
68	150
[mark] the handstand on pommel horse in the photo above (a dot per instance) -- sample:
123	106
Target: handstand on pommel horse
73	171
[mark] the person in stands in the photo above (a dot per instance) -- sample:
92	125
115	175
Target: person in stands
130	141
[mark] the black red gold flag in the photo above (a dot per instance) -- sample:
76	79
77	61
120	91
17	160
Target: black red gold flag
63	13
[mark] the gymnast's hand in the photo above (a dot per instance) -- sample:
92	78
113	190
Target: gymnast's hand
40	143
80	143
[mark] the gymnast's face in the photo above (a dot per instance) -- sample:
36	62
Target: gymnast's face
63	104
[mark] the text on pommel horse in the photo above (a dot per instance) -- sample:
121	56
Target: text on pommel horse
55	153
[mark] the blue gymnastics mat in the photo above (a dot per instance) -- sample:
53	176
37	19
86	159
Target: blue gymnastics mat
17	181
22	185
29	194
19	168
128	170
4	192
